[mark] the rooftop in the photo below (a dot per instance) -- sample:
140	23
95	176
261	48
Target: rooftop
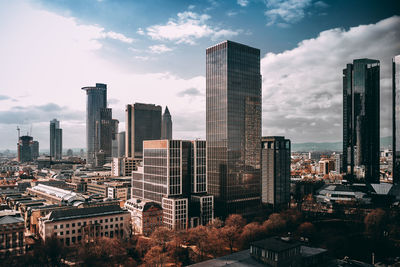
276	244
70	214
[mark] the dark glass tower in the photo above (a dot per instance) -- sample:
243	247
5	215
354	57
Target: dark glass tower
361	120
233	93
143	122
396	119
96	101
55	139
275	174
166	127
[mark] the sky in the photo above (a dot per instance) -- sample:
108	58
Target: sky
154	52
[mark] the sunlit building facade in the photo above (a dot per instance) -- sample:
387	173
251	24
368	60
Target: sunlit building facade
396	118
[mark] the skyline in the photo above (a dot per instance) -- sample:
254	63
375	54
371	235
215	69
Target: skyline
76	49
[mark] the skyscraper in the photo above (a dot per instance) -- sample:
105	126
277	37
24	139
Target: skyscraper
396	118
361	120
143	122
275	173
25	148
114	138
55	139
96	101
233	100
105	134
121	144
166	127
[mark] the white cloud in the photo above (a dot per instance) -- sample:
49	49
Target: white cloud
243	2
188	27
140	31
117	36
288	11
159	49
304	85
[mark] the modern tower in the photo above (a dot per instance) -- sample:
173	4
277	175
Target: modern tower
55	139
396	119
233	125
143	122
166	127
114	138
361	120
121	144
96	101
275	175
25	148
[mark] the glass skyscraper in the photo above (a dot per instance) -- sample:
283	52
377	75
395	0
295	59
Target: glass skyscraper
396	119
233	93
361	120
55	139
166	127
96	101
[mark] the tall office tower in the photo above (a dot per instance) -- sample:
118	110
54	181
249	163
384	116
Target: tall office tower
174	176
55	139
121	144
143	122
275	162
114	138
361	120
25	148
233	100
104	135
166	127
35	149
96	101
396	118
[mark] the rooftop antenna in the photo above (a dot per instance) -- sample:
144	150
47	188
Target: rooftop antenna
30	131
18	130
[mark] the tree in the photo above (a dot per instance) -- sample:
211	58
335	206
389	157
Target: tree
230	235
274	225
160	237
216	223
306	229
102	251
251	232
236	221
375	223
156	257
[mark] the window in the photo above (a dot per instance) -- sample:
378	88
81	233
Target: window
79	230
111	220
101	221
73	225
106	220
61	233
67	225
79	223
67	233
55	226
61	226
73	231
121	218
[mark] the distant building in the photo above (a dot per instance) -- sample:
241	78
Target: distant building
361	109
25	149
275	175
396	118
143	122
118	190
233	127
124	166
55	139
174	176
104	131
146	215
70	153
74	226
338	162
326	166
35	149
166	127
114	138
121	145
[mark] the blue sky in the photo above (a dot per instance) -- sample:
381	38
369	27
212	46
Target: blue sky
154	52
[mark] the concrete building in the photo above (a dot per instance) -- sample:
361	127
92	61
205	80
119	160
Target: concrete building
326	166
233	128
25	148
174	176
74	226
12	240
143	122
275	185
55	139
124	166
166	127
146	215
35	150
121	144
118	190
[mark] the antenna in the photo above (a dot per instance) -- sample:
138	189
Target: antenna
30	131
18	130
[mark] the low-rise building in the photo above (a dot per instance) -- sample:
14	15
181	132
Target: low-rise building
73	226
12	241
117	190
146	215
123	166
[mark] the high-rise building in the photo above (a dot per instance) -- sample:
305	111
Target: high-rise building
55	139
121	144
105	125
361	120
275	163
25	148
233	100
35	149
114	138
174	176
166	127
143	122
96	101
396	118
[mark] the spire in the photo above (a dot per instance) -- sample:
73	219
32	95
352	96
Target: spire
166	111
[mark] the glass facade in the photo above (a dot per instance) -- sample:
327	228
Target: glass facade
55	139
361	119
96	100
275	171
143	122
233	89
396	119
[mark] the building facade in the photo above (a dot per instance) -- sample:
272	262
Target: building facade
96	101
233	126
114	138
143	122
25	148
55	139
396	118
121	144
174	176
275	171
166	127
124	166
12	240
361	137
